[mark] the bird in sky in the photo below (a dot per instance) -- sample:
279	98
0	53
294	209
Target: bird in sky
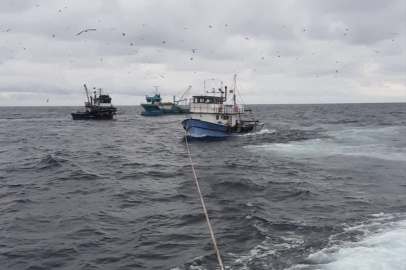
247	39
85	31
375	51
193	50
47	99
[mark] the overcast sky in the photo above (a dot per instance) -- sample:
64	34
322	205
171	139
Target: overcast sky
283	52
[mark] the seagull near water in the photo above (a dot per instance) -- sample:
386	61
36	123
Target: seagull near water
85	31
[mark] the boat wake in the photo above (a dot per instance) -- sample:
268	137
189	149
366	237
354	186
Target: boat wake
263	131
379	243
351	142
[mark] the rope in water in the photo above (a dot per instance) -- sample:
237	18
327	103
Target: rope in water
204	206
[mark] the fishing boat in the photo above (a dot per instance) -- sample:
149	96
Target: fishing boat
155	107
212	115
97	107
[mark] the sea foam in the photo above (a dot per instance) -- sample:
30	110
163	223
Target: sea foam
379	250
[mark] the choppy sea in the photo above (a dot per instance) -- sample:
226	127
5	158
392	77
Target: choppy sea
320	187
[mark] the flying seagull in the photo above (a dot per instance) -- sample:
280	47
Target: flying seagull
86	31
193	50
375	51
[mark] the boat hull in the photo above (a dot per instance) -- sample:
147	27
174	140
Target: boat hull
155	110
199	128
100	114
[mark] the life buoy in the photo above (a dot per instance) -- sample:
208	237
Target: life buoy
220	109
236	109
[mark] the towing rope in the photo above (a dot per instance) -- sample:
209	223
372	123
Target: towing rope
204	206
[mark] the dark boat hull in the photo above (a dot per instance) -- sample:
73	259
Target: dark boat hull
99	114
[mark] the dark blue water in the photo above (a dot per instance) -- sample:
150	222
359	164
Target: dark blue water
321	187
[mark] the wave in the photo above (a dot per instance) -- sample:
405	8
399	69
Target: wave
376	244
50	161
376	142
262	131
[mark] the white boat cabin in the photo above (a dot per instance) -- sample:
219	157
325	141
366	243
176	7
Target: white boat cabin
212	109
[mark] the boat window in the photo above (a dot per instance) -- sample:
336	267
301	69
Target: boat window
217	117
225	117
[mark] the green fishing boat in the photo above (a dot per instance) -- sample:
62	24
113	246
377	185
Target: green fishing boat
155	107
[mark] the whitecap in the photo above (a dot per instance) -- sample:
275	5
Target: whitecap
382	247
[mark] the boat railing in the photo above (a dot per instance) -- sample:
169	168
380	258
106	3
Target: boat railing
215	108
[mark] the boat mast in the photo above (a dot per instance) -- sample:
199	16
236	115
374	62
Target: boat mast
87	94
235	86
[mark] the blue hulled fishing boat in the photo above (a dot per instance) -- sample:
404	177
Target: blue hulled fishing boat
211	115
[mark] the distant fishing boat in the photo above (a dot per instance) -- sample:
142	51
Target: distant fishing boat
98	107
155	107
212	116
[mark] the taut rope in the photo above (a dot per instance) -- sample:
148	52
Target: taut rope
204	206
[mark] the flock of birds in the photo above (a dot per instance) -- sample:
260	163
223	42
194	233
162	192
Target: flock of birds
193	50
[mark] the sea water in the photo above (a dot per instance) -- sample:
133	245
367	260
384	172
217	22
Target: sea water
320	187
